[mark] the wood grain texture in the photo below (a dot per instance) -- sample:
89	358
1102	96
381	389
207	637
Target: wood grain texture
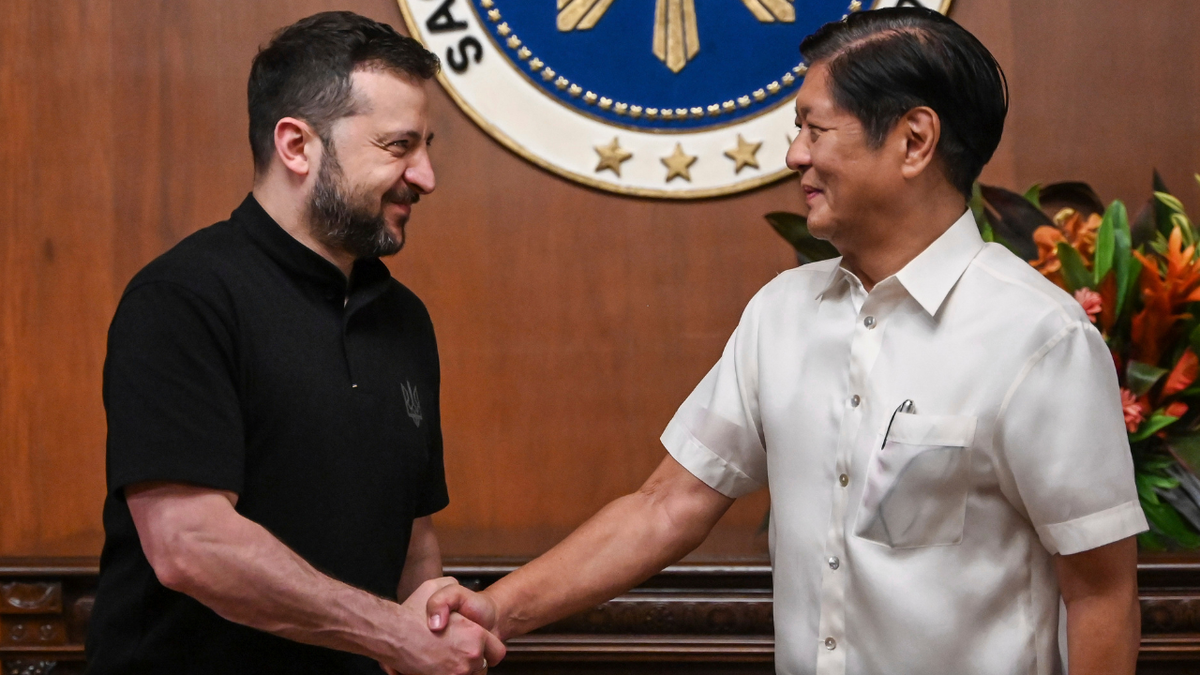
571	322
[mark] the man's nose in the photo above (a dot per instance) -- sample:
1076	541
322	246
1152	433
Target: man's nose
798	158
419	174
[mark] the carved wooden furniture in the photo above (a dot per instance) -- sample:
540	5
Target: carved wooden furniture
694	618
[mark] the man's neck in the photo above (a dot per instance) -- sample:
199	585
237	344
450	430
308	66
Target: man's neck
290	212
891	242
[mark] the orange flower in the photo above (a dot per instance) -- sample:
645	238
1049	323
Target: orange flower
1183	374
1047	239
1070	228
1176	409
1135	412
1080	232
1164	292
1091	302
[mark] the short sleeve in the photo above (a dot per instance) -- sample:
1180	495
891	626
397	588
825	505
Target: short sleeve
169	392
1064	455
717	433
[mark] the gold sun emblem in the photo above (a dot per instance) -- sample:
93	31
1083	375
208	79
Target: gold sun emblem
676	38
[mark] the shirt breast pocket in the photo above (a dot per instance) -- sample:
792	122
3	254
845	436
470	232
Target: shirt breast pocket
917	482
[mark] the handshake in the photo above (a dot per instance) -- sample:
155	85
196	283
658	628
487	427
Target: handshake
460	635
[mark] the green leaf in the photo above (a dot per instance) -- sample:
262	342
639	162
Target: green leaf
793	227
1151	542
1105	244
977	207
1170	201
1142	376
1187	447
1075	273
815	249
1167	521
986	231
1134	290
1157	421
1034	194
1169	214
1122	251
1145	489
1185	228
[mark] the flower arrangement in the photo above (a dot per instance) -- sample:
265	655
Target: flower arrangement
1139	283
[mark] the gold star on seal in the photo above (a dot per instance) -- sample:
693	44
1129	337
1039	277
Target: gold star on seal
743	154
611	156
678	163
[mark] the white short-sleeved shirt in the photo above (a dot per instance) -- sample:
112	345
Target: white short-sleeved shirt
928	551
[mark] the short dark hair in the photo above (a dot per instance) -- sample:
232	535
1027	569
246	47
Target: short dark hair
305	70
884	63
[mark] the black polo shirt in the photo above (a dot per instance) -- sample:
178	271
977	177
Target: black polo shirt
236	362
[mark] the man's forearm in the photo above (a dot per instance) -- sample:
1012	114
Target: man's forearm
624	544
424	559
1099	588
249	577
1103	635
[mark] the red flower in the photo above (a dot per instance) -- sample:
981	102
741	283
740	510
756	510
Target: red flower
1091	301
1134	411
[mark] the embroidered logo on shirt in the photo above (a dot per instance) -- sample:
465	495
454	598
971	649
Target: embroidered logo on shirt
412	403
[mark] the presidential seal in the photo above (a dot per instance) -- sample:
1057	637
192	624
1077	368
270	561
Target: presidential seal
655	98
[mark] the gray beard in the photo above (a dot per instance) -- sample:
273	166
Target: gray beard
352	222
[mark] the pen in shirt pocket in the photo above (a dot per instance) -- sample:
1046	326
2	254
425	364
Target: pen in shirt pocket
907	407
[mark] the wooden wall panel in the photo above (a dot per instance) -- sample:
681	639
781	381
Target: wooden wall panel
571	322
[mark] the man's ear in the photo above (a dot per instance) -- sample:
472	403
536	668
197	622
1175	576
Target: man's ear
296	146
920	129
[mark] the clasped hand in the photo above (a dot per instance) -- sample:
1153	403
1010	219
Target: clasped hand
452	642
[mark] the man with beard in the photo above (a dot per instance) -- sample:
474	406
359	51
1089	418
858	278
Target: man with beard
274	448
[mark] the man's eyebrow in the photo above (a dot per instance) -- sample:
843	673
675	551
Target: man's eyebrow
392	137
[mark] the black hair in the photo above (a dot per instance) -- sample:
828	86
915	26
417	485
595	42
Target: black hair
305	70
884	63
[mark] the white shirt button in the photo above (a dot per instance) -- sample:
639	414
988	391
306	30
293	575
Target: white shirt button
834	563
869	322
830	644
844	480
854	401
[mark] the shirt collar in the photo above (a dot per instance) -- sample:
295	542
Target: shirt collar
929	277
300	261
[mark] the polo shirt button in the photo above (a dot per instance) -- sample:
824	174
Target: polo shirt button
854	401
869	322
834	563
830	644
844	480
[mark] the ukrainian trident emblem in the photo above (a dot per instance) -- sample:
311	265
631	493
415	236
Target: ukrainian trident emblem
412	403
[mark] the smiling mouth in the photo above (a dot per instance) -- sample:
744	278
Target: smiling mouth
810	192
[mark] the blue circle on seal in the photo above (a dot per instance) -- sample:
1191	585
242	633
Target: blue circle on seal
645	62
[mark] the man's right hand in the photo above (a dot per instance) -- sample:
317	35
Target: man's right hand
459	647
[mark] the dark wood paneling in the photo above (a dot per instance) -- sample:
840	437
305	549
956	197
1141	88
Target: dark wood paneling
693	618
